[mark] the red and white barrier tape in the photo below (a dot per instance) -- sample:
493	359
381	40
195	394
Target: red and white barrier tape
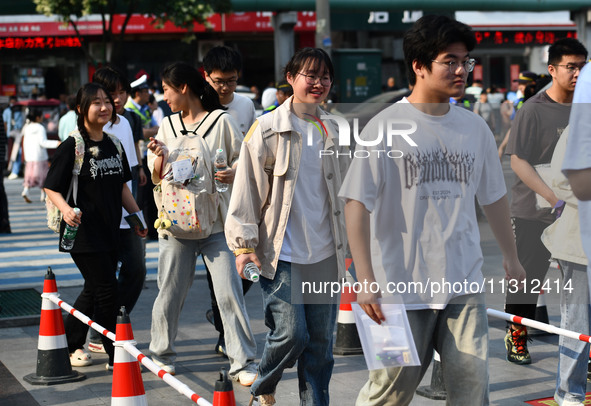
130	348
540	326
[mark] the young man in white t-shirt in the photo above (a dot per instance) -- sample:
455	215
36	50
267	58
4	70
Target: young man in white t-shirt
411	217
222	67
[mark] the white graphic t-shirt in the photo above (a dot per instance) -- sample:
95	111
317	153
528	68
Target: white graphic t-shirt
421	199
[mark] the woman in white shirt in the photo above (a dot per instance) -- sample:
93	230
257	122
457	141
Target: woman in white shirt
35	145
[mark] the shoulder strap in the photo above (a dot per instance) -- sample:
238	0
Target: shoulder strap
270	139
78	160
204	126
178	114
117	143
209	121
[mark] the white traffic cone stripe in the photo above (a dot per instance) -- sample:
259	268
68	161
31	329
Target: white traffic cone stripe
122	357
346	317
130	401
47	304
52	342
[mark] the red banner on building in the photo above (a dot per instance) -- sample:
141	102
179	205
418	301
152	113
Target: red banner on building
39	42
141	24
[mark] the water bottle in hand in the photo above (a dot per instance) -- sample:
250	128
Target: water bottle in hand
70	234
251	272
220	164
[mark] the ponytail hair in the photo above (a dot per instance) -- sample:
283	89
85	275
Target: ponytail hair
180	73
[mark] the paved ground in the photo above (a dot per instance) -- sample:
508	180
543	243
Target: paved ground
25	254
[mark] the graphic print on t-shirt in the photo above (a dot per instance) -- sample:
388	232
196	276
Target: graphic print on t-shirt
437	166
104	167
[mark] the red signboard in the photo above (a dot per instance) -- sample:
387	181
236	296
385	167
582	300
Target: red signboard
141	24
39	42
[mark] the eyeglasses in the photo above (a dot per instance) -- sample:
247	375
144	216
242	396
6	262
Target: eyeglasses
468	65
221	83
313	79
572	68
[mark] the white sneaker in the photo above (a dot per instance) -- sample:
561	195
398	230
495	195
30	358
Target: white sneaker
568	402
245	378
12	176
165	367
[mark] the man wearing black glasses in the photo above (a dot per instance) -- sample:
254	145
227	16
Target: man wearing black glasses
412	220
534	133
222	67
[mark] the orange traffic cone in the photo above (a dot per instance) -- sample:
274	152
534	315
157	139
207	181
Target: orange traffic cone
223	394
347	342
128	386
53	357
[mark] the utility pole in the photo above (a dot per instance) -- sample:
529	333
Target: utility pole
323	39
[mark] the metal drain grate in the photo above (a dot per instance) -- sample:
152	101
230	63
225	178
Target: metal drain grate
19	307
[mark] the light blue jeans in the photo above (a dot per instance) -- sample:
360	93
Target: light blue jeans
459	333
176	271
571	381
301	333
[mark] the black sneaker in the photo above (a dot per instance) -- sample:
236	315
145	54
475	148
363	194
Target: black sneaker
209	316
220	347
516	345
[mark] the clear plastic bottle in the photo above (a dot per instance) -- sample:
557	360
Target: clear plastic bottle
220	164
69	234
251	272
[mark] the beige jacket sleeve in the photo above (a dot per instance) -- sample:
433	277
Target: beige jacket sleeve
249	195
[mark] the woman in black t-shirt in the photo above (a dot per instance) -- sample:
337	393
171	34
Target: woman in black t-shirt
101	193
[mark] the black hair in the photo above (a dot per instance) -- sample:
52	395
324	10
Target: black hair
541	81
311	58
71	102
180	73
222	58
34	113
431	35
84	99
110	77
565	46
285	87
151	98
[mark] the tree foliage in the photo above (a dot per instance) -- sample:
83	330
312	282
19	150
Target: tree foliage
182	13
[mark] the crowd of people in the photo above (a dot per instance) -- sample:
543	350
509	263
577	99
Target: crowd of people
296	203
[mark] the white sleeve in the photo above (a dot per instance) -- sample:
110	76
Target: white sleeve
578	147
492	182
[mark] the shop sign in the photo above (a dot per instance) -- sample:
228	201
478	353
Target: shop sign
39	42
539	37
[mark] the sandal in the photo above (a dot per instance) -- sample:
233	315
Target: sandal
79	358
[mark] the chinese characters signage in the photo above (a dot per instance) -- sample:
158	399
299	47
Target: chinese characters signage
539	37
39	42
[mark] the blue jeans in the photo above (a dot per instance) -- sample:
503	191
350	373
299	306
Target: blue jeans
176	271
301	333
571	381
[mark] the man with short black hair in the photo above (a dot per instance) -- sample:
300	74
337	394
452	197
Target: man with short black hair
222	67
412	219
535	131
